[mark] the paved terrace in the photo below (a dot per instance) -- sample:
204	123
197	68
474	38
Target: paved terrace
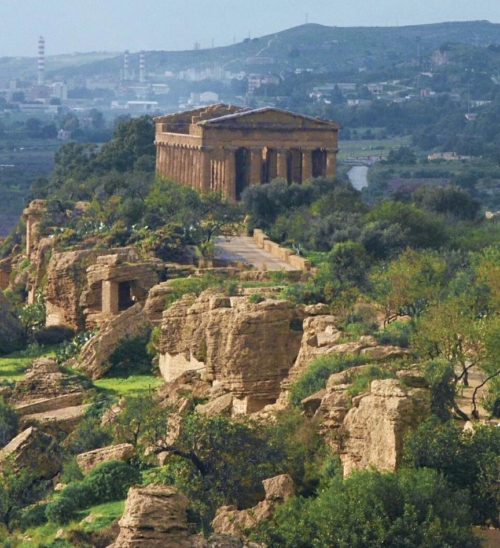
245	250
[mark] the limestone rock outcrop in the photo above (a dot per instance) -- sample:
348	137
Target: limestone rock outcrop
90	459
86	287
115	282
377	423
246	347
231	521
154	517
11	332
35	451
45	387
66	280
94	357
323	335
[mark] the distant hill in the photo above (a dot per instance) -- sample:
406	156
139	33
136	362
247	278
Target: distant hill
311	46
306	46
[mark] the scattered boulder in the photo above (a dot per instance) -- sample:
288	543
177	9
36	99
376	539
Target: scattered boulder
188	385
45	384
221	405
231	521
279	488
58	420
91	459
154	517
94	357
384	352
11	332
35	451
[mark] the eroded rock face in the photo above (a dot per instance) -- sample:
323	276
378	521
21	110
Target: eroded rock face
154	517
36	451
11	333
246	347
86	287
91	459
66	280
94	357
115	282
377	423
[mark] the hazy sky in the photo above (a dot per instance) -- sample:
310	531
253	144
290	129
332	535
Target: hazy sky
115	25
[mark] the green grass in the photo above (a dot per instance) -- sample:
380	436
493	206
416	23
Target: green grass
252	284
371	147
14	366
316	257
134	384
104	516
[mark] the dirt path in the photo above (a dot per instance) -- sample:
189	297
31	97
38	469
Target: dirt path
244	249
464	398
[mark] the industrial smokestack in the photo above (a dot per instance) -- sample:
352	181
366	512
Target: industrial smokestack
41	61
126	66
142	67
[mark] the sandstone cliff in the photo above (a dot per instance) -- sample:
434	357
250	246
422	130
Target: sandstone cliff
247	348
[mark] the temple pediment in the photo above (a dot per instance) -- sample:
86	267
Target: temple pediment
269	119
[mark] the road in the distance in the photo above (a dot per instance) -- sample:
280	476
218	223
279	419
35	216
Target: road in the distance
245	250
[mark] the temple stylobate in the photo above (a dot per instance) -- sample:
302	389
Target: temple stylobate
227	148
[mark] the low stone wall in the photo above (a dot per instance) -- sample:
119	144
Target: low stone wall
281	253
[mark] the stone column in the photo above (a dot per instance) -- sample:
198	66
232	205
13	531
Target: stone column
195	166
307	164
174	165
230	173
255	166
206	169
169	166
331	162
282	163
110	299
158	157
183	165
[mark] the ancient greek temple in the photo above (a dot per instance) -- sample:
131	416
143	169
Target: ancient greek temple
227	148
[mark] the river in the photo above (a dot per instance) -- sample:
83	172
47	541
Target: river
358	176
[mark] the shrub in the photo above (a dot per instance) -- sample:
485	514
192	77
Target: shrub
256	298
131	357
9	422
111	480
318	372
81	493
396	334
54	334
70	349
61	510
106	483
33	516
304	293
